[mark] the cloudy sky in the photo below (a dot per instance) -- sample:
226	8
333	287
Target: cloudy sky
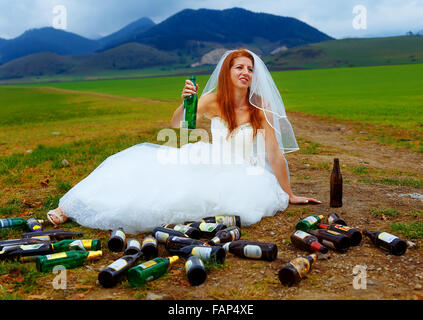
95	18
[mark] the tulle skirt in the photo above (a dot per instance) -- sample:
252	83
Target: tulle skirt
148	185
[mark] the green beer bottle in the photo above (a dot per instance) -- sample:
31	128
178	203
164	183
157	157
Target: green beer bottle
14	223
189	118
311	222
150	270
68	259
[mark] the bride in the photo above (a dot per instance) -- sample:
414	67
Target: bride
144	186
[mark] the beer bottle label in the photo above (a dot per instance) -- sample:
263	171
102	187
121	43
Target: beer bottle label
181	228
226	220
56	256
235	234
333	232
188	265
341	227
118	264
135	243
226	246
5	223
30	246
120	234
161	236
207	227
147	240
311	220
147	264
81	244
387	237
301	234
301	265
201	252
252	251
215	240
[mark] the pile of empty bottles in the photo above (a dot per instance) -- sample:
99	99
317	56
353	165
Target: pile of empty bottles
199	243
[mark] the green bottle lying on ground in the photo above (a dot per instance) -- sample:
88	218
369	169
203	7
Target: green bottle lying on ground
67	259
150	270
43	248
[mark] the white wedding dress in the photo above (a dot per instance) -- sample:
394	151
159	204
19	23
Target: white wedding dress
148	185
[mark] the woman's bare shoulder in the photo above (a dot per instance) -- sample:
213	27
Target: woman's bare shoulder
211	107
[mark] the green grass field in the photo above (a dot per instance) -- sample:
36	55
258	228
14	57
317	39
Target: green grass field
383	95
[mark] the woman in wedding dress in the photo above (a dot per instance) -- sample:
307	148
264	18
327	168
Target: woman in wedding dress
242	171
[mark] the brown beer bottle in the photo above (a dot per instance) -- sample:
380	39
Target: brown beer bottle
336	185
117	240
332	239
306	241
189	230
115	272
195	271
161	234
296	270
226	235
175	242
352	233
132	247
224	219
252	249
387	241
207	230
334	219
149	247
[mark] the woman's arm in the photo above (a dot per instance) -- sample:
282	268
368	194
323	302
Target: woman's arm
202	107
278	164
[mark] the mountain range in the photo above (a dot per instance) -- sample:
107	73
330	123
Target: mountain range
181	39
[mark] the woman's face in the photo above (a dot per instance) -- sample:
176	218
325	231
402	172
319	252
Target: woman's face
242	72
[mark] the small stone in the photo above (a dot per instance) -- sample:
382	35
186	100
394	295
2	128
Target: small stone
411	244
410	260
28	151
55	133
418	286
370	283
153	296
65	163
331	278
272	233
379	269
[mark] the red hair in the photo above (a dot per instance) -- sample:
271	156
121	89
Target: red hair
225	93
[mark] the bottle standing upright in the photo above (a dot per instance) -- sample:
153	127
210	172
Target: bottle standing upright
336	185
190	109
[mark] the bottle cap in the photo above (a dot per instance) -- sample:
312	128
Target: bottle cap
316	246
94	254
173	259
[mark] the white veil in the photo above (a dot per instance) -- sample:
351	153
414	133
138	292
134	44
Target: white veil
264	95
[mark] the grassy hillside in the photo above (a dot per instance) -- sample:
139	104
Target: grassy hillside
351	52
